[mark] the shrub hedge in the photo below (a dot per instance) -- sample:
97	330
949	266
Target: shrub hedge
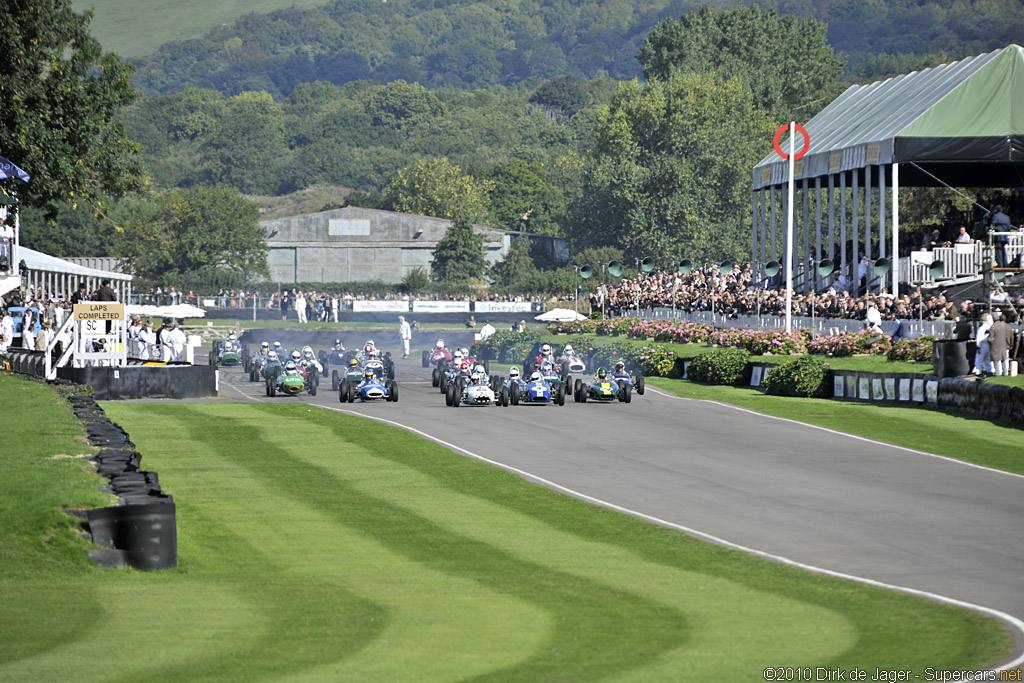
807	376
719	366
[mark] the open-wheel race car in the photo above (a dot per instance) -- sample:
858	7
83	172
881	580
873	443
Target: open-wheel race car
633	379
535	390
602	389
290	381
542	357
370	388
474	391
437	355
227	353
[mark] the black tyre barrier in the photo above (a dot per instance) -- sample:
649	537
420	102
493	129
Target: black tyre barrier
993	401
949	358
141	530
146	381
145	534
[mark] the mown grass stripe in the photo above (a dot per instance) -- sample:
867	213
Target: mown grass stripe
588	617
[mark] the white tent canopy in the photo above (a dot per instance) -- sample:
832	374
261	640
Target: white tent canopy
178	311
560	315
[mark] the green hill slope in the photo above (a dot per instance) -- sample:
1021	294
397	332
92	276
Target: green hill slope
135	28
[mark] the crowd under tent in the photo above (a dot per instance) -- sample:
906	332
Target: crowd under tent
958	125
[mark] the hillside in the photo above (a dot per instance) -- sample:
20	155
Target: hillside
136	28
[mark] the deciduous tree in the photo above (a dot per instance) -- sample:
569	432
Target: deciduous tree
459	255
60	94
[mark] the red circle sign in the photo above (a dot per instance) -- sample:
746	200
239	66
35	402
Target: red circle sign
778	136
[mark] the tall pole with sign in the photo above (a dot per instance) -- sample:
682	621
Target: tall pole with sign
793	155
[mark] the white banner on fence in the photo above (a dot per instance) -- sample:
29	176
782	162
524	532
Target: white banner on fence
503	306
440	306
380	306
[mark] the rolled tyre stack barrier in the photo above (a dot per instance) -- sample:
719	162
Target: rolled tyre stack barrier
141	530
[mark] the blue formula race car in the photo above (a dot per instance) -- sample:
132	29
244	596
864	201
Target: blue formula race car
535	390
371	388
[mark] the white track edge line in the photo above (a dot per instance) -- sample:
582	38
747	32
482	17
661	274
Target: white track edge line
846	434
1006	618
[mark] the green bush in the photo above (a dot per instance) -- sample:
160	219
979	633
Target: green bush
918	350
719	366
807	376
507	347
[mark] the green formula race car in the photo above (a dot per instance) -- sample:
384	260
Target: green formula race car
603	389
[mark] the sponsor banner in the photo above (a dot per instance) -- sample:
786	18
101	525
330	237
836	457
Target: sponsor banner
440	307
503	306
360	306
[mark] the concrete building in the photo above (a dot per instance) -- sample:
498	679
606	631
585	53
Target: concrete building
356	245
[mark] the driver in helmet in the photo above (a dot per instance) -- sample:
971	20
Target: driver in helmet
309	359
514	376
353	365
338	346
545	355
278	349
440	344
273	362
536	376
619	370
547	368
568	351
291	370
457	359
368	377
602	373
480	370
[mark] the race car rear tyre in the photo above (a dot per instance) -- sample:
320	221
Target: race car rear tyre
426	359
583	394
560	396
312	388
448	397
435	378
334	380
576	396
513	394
272	387
394	391
640	385
343	391
622	390
627	394
503	396
351	393
578	387
443	383
460	384
567	381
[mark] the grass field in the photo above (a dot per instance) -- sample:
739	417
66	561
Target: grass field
965	437
318	546
134	28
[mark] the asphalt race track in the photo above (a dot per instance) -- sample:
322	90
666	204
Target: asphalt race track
814	497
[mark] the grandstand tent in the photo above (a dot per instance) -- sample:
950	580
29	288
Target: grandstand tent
958	124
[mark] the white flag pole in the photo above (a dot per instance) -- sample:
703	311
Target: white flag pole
789	232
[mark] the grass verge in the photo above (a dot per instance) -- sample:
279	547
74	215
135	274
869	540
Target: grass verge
327	547
965	437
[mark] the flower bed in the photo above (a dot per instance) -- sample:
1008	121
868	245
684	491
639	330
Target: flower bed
807	376
850	343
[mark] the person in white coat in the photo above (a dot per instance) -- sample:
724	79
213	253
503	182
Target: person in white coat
405	334
147	342
300	307
177	339
983	356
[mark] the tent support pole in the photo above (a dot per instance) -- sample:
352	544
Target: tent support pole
817	231
809	279
854	224
764	233
753	231
881	222
895	228
867	224
842	230
772	207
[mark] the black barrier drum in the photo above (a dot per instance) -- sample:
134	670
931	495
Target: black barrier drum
949	358
146	534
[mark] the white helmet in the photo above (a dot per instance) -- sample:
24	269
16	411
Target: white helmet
440	343
231	336
289	366
265	345
480	370
277	346
465	352
546	349
513	372
535	376
307	350
567	350
475	376
458	354
228	346
272	355
296	355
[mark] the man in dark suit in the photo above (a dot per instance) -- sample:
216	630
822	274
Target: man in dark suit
106	292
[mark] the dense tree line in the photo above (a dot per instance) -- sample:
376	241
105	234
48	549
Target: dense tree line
479	44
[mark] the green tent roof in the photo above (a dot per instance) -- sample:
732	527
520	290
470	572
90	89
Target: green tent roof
962	121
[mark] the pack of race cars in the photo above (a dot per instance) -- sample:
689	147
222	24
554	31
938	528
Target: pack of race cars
368	375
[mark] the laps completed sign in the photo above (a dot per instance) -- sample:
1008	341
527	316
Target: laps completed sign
98	311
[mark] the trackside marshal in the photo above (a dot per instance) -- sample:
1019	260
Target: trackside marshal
98	311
